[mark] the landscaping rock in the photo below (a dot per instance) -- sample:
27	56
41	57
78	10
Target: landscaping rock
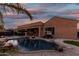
3	39
11	43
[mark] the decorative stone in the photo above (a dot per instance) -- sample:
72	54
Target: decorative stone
11	42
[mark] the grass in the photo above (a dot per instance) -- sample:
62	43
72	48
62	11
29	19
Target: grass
6	51
76	43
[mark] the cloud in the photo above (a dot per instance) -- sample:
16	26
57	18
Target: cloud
37	10
14	15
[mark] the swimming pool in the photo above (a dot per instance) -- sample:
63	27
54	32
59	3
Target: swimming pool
38	44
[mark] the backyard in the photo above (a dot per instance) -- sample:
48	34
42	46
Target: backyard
67	51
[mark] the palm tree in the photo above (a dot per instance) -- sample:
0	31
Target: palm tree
14	7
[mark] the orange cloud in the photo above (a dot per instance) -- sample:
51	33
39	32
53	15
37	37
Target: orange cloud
74	15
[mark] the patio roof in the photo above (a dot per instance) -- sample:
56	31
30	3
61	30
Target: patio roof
35	24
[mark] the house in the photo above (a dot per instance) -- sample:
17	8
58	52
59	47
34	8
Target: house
62	27
58	27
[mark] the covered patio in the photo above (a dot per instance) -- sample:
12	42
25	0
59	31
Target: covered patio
32	32
33	29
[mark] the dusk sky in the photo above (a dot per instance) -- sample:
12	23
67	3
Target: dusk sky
42	11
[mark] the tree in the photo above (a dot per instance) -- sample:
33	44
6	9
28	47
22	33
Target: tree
14	7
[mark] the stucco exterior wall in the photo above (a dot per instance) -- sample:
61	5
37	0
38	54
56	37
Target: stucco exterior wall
64	28
66	32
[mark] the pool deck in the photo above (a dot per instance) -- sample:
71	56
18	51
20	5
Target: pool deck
69	50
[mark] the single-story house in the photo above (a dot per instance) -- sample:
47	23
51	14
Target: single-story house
58	27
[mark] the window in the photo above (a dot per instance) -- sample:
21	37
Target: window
50	29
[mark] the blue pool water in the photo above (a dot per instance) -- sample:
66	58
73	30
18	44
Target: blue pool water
32	45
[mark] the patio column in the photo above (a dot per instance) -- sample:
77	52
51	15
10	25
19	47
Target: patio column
39	32
25	33
44	31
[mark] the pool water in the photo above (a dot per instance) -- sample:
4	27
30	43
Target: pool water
31	45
